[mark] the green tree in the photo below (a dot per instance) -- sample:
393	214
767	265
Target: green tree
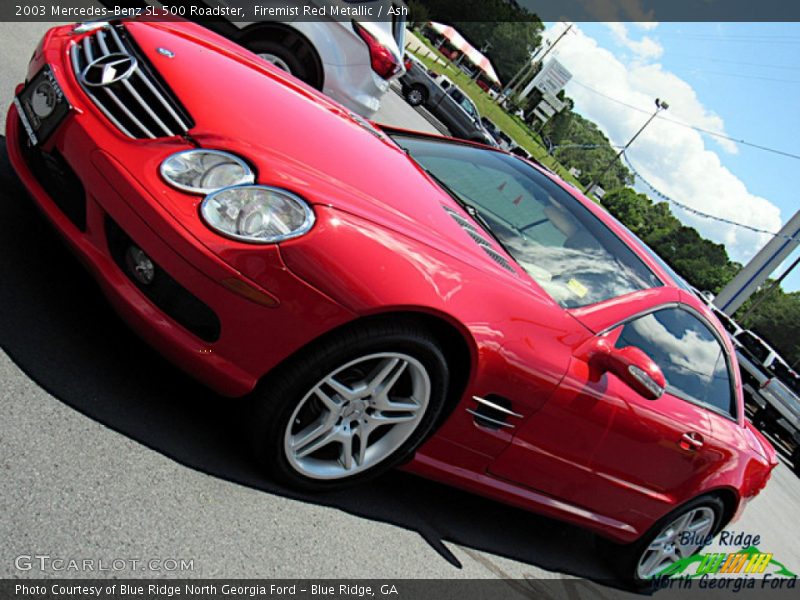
701	262
777	320
512	32
571	132
511	46
417	12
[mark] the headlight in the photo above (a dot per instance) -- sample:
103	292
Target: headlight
257	213
205	171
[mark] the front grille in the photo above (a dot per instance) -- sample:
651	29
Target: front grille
480	240
140	105
57	178
176	301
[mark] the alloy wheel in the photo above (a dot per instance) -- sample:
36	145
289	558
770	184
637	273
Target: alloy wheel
414	97
667	548
275	60
357	416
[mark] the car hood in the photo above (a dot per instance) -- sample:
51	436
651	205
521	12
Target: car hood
297	138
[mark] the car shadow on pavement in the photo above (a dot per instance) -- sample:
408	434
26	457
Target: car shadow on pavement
57	327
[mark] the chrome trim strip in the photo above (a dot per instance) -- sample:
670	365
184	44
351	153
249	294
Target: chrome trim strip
128	113
87	51
101	41
485	418
83	51
497	407
144	104
97	103
89	26
117	40
163	100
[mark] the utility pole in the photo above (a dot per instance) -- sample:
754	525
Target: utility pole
530	66
660	105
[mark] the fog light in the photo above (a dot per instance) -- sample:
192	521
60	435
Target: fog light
139	265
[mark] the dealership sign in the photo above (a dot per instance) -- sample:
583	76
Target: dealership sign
552	78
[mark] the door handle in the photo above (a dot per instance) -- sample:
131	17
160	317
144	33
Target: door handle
691	441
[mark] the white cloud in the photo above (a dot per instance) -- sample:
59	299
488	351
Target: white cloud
674	159
645	48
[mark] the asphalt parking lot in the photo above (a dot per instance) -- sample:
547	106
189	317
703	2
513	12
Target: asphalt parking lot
110	453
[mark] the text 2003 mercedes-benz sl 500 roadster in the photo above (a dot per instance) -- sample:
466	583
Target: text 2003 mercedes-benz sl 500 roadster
385	297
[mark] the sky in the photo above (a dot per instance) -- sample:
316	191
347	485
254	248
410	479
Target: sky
740	80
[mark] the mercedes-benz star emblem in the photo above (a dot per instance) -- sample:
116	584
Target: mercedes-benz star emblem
108	69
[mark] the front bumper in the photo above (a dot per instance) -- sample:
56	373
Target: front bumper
120	191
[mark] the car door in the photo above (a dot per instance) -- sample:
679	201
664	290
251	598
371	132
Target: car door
656	453
600	445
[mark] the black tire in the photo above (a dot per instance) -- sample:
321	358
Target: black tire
416	95
295	54
275	401
625	557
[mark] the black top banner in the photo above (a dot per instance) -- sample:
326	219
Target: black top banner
394	10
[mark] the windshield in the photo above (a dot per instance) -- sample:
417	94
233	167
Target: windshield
570	253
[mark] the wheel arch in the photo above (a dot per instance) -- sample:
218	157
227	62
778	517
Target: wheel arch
422	88
727	495
278	32
730	500
457	345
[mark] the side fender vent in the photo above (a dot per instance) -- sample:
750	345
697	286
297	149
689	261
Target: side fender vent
494	412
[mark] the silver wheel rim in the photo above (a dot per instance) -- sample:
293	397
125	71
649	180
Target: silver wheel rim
275	60
666	548
357	416
415	97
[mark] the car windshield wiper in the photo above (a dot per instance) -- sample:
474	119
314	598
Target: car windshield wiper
468	208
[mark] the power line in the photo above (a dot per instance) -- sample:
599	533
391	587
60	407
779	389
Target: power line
690	126
695	211
757	39
716	59
553	149
746	76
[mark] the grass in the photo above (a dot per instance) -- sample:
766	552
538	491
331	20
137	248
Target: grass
512	125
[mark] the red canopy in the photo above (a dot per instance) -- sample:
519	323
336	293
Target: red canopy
471	53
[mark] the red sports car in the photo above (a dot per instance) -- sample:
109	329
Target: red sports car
385	297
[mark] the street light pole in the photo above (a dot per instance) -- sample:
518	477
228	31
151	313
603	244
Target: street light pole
529	67
660	105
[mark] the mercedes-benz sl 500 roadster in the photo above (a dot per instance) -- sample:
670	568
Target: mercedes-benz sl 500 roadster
382	297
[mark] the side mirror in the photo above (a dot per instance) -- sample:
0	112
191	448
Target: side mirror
637	370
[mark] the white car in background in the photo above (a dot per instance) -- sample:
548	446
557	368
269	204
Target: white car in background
351	60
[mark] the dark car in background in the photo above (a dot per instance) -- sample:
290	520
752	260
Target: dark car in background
446	101
500	137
